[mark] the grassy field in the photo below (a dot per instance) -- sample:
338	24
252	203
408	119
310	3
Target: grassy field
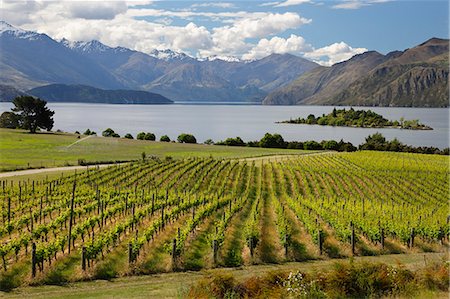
19	150
175	285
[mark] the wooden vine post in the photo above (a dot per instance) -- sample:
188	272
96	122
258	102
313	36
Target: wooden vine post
320	237
71	214
352	237
33	260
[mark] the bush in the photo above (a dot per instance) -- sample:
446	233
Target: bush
272	141
128	136
110	133
140	136
164	138
150	136
186	138
209	142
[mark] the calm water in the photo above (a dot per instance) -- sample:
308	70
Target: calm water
250	122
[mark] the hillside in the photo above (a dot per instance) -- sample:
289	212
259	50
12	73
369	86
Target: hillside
89	94
417	77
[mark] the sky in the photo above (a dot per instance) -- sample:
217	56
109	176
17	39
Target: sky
323	31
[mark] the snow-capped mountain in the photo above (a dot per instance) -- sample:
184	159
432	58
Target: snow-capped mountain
31	59
93	46
7	29
168	54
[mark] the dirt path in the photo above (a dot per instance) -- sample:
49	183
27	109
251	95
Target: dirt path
44	170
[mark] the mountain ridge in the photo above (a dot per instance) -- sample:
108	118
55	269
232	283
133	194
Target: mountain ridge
415	77
30	63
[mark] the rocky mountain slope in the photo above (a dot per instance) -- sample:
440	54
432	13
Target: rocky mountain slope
416	77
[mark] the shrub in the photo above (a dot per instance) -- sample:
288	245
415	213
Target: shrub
164	138
110	133
150	136
186	138
128	136
140	136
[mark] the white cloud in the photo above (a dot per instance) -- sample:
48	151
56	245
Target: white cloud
334	53
95	10
350	5
120	23
357	4
215	4
292	3
294	45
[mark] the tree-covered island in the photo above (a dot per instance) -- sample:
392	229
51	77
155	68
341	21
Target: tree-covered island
359	119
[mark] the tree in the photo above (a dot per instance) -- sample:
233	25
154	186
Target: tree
273	141
150	136
110	133
128	136
9	120
186	138
140	136
208	142
33	113
164	138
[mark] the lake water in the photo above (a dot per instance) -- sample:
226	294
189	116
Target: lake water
250	122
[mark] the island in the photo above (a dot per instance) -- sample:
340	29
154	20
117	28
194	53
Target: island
358	119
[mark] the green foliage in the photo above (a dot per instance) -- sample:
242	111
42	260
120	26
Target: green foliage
32	114
377	142
357	118
110	133
164	138
186	138
272	141
140	136
9	120
128	136
89	132
231	142
149	136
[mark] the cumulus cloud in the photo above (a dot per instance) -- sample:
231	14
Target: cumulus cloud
248	35
294	45
333	53
95	10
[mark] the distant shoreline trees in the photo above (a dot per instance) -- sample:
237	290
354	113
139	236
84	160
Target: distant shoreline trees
359	119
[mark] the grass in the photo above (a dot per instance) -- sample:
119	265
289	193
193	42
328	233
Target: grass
21	150
175	285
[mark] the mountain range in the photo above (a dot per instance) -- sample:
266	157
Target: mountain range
416	77
31	59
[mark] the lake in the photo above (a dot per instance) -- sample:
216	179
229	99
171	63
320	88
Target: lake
250	122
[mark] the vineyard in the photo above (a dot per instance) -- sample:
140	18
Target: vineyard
196	213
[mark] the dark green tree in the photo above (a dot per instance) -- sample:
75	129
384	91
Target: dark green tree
273	141
110	133
186	138
128	136
150	136
33	113
164	138
9	120
140	136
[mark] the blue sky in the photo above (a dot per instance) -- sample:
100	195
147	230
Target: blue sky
323	31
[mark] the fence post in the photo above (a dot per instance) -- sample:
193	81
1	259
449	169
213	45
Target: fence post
33	260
